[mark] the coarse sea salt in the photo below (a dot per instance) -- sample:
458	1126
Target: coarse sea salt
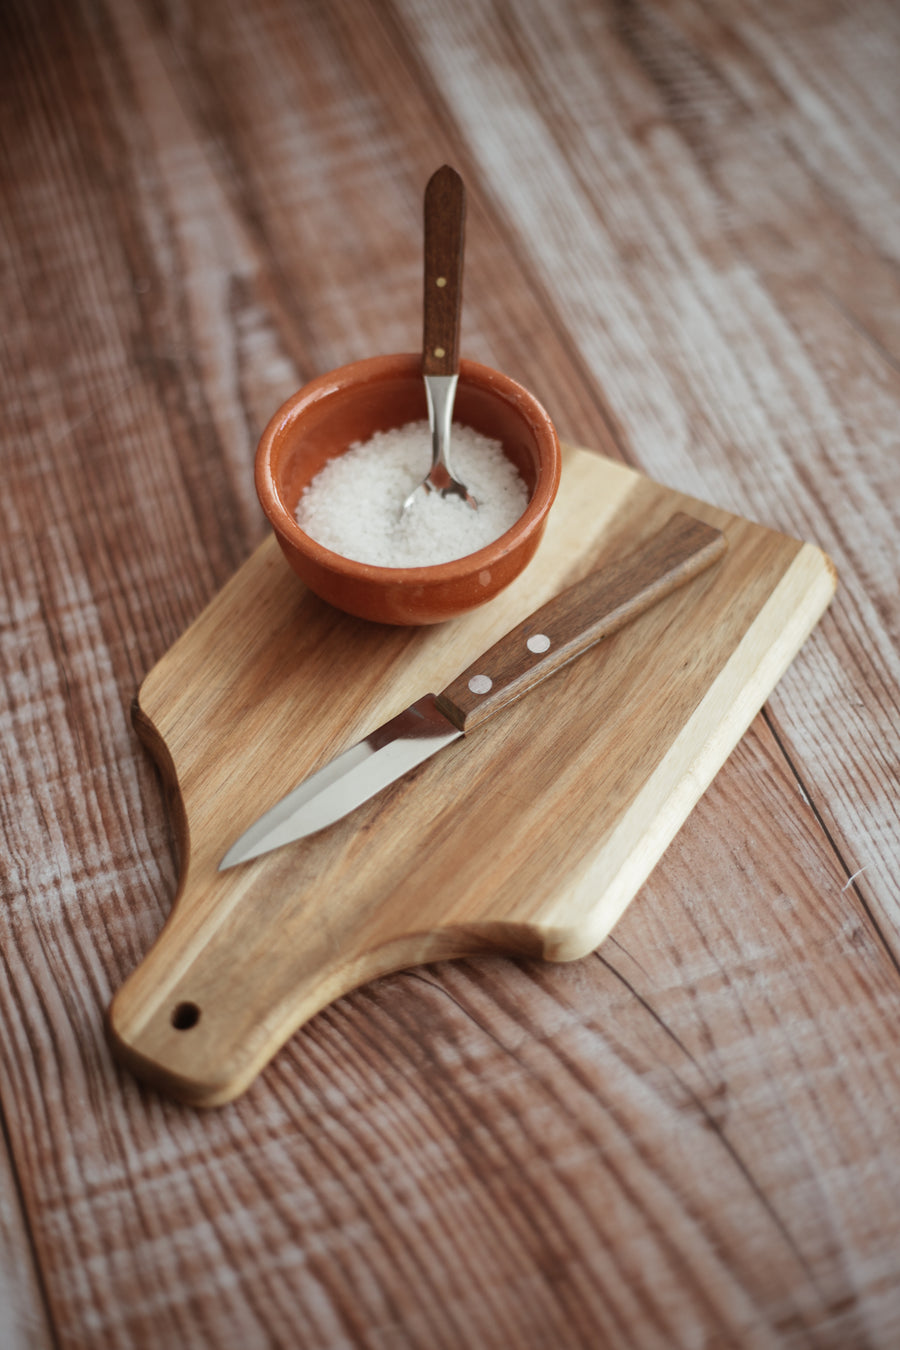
354	505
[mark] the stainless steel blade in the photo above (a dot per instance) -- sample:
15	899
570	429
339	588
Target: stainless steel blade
350	779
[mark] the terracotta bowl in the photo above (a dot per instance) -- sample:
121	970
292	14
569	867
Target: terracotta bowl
351	404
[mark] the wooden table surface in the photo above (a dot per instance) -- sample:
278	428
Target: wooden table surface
683	236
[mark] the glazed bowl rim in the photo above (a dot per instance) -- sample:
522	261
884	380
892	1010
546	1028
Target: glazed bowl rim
332	384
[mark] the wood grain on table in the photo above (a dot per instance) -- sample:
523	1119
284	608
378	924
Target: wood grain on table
682	236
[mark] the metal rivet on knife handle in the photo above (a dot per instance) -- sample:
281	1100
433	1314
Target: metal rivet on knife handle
590	610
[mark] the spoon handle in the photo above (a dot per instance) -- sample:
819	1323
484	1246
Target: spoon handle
445	220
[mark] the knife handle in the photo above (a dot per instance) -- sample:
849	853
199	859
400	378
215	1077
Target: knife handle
579	617
445	219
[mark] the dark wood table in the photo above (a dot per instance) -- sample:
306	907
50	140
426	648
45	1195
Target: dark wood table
683	237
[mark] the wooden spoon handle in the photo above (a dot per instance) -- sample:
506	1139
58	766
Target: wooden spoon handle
568	625
445	219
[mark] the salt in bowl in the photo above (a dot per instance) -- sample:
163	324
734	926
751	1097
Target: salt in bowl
349	405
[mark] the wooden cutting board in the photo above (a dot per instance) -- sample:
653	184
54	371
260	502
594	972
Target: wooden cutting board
531	835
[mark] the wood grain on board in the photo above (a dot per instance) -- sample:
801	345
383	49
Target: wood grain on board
681	235
531	835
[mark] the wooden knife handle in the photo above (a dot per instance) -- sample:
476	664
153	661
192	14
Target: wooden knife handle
445	219
579	617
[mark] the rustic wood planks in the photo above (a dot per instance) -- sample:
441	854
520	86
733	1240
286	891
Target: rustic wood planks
681	234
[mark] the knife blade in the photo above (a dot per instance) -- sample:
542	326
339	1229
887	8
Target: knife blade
568	625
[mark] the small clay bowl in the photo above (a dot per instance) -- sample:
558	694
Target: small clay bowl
350	404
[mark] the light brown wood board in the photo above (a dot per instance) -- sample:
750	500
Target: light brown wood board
532	835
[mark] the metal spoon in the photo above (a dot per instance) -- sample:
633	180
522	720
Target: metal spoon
445	216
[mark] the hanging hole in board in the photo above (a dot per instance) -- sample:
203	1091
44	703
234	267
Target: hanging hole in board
185	1016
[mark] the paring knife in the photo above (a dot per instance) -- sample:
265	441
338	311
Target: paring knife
553	635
